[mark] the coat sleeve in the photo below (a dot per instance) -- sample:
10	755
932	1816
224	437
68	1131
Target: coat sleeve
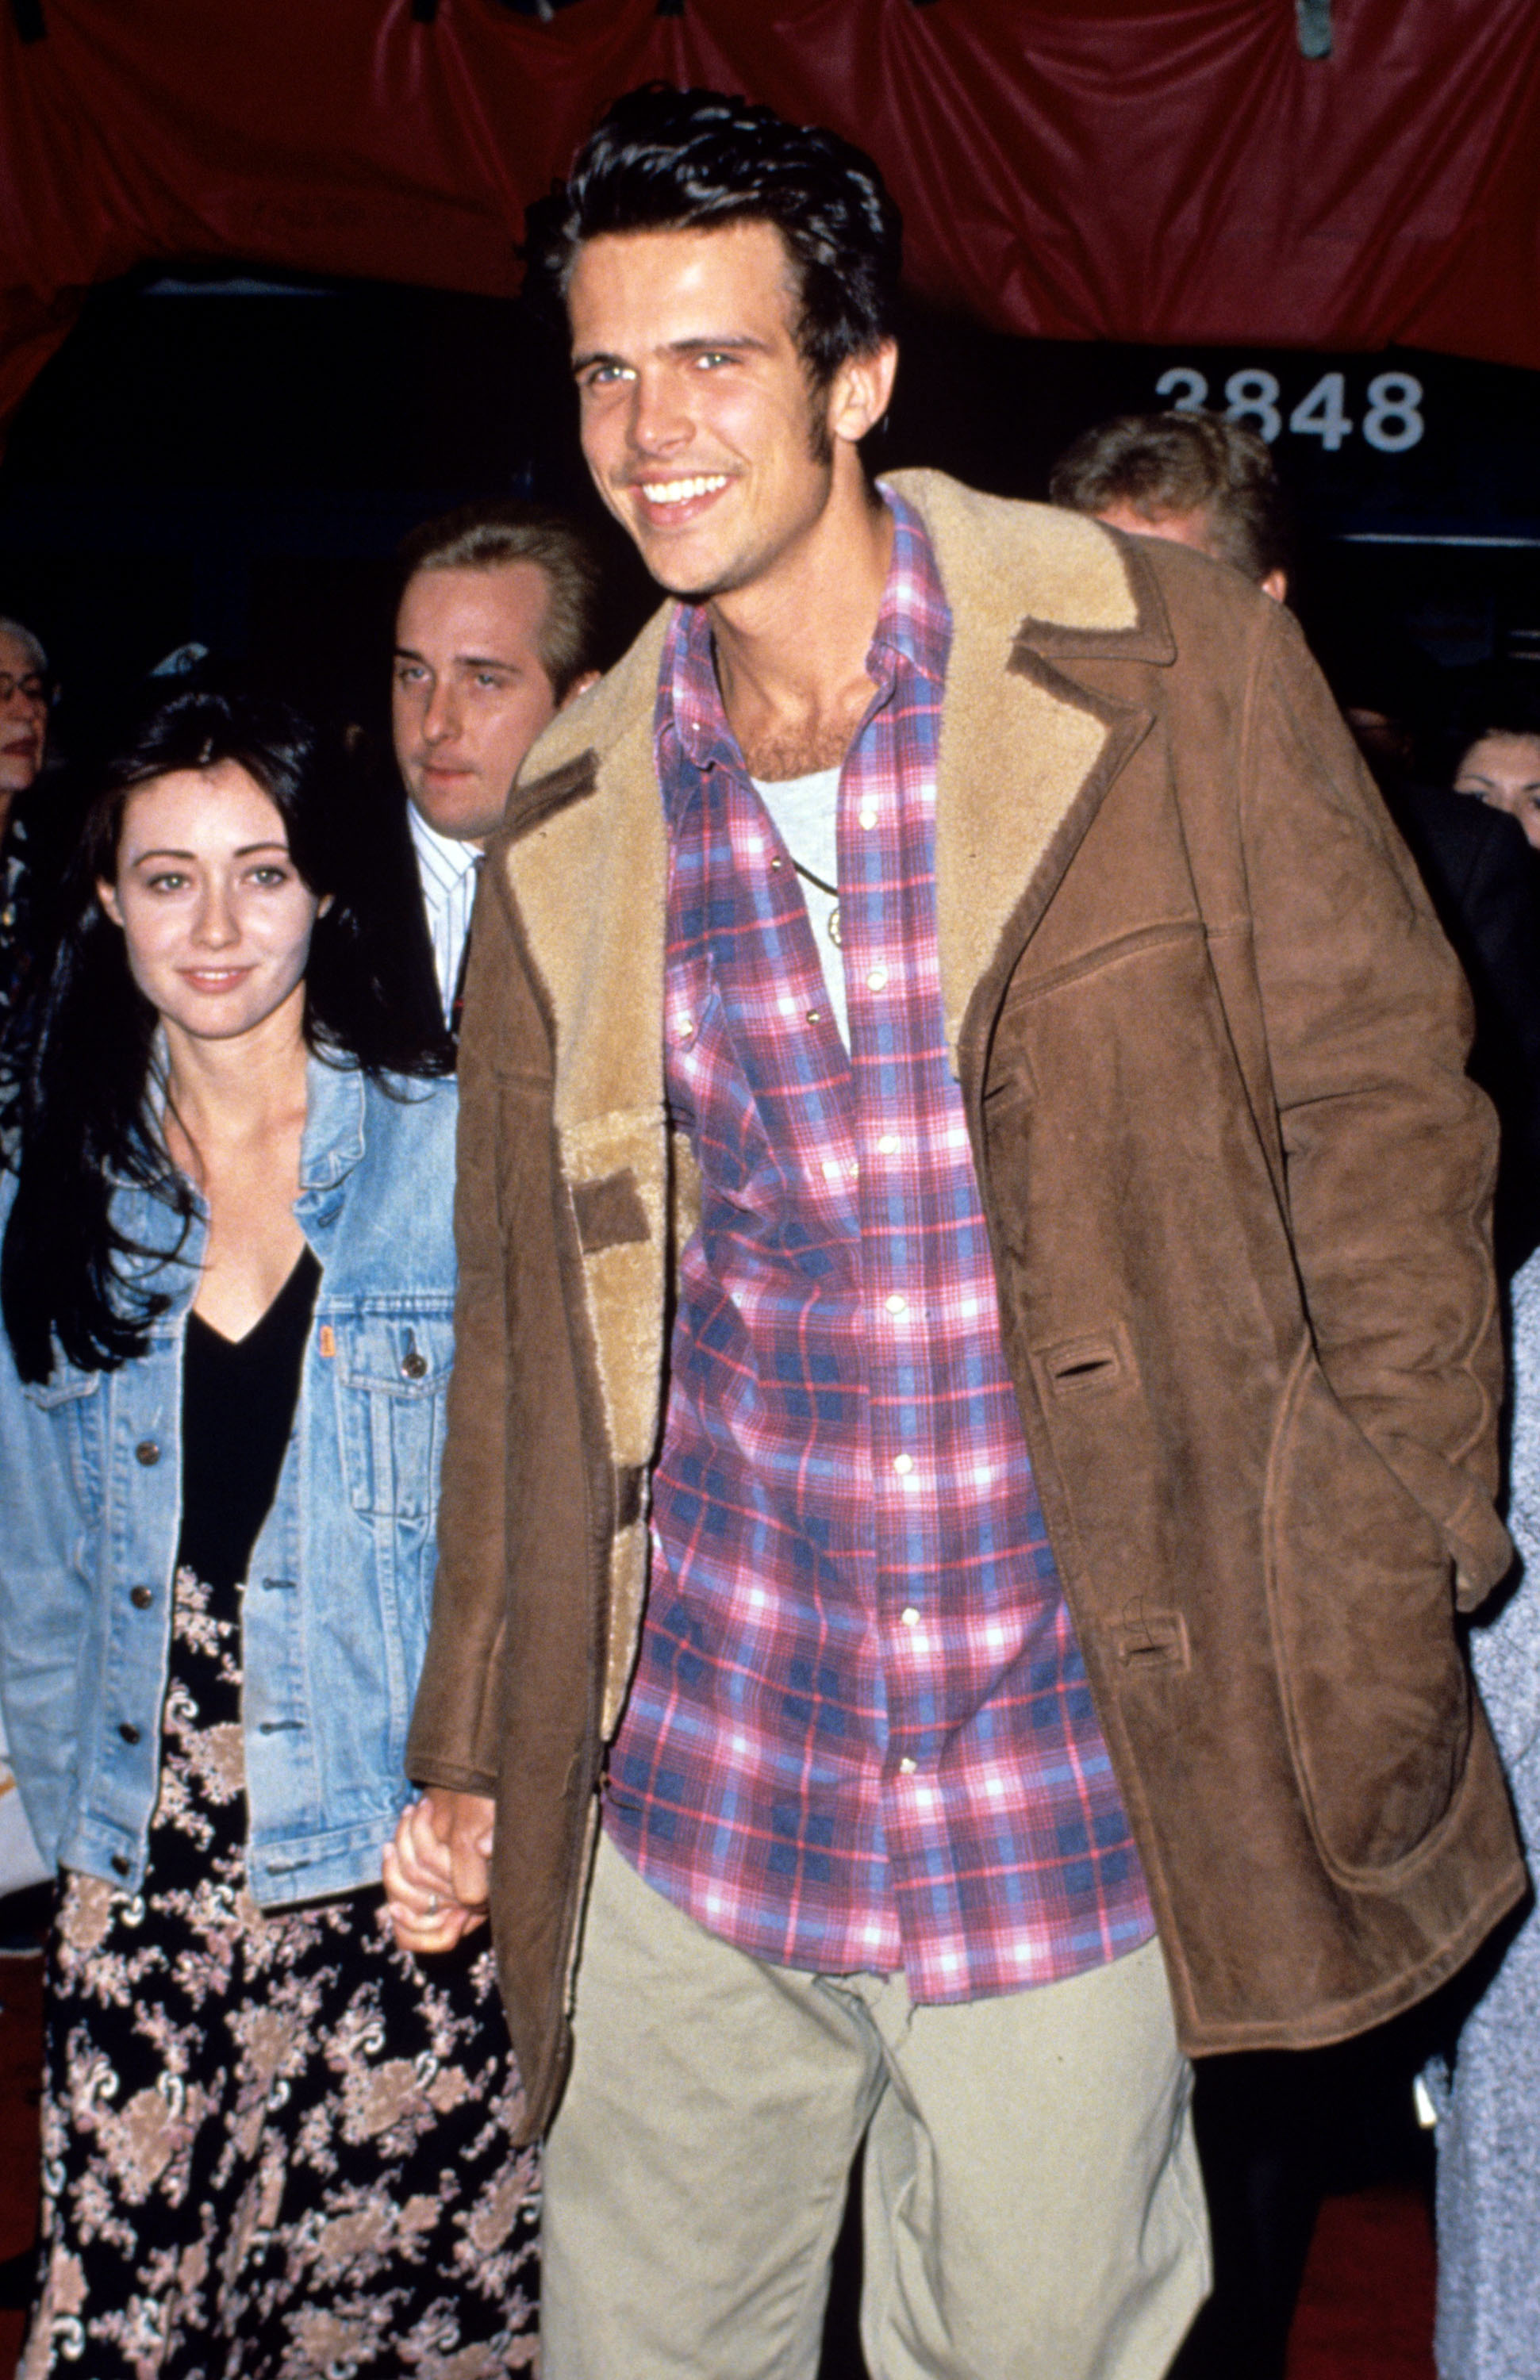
456	1734
1389	1150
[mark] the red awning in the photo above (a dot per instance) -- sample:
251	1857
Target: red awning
1128	169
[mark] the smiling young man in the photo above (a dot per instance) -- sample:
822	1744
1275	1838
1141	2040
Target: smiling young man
495	632
976	1361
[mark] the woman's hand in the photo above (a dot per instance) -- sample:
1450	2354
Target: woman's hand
436	1870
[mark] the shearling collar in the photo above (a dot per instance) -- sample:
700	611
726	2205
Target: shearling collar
1026	757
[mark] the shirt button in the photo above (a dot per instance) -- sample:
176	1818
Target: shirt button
147	1452
910	1617
896	1305
414	1365
887	1144
128	1731
778	862
867	815
878	979
119	1865
903	1464
684	1026
140	1597
814	1015
906	1768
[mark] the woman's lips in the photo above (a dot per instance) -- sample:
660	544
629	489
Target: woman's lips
213	979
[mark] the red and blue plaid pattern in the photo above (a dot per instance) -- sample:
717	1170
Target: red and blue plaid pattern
860	1734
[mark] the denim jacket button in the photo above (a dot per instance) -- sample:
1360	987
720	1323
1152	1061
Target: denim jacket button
141	1597
119	1865
128	1731
414	1365
147	1452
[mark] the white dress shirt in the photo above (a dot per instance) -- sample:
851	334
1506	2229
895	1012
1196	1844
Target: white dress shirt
446	868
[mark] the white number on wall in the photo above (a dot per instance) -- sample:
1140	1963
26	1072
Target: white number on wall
1185	388
1393	422
1320	414
1253	396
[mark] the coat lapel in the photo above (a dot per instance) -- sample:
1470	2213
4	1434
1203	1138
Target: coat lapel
585	863
1026	754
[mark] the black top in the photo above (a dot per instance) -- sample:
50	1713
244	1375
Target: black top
239	1397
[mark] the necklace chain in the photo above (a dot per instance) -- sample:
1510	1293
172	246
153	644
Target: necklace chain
832	923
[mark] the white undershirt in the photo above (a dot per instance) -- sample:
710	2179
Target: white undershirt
804	810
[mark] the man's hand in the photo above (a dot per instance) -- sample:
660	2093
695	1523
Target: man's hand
436	1870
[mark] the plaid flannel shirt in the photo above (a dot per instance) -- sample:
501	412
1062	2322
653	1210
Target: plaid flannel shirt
860	1735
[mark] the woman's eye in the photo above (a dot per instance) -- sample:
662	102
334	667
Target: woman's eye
267	877
168	880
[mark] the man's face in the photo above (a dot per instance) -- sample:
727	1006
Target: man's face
1195	529
469	692
23	718
698	424
1505	771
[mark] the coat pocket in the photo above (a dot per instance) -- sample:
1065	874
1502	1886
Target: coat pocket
1376	1688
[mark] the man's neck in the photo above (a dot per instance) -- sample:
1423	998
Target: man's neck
791	649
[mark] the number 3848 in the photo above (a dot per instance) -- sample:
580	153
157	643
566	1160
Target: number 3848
1392	422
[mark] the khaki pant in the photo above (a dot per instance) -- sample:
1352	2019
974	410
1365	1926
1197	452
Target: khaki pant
1033	2205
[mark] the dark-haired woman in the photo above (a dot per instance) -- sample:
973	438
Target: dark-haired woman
273	2144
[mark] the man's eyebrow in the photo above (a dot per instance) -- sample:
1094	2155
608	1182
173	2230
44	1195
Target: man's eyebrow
457	660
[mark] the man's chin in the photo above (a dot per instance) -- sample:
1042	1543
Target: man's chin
459	823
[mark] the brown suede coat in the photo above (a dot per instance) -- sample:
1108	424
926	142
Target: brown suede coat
1211	1045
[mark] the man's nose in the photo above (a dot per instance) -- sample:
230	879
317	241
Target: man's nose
441	715
660	421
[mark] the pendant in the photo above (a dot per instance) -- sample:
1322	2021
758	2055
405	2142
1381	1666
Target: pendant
833	928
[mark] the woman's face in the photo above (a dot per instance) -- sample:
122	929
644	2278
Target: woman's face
216	916
1505	770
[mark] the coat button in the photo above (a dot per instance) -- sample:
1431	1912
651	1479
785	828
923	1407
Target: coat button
414	1365
128	1731
141	1597
119	1865
147	1452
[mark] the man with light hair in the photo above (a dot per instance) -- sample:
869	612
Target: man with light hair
1189	477
494	634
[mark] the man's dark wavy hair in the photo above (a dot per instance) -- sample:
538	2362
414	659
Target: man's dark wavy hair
79	1064
665	160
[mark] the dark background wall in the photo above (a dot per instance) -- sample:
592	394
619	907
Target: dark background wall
234	460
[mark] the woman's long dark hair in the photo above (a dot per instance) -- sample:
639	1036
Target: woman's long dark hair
79	1121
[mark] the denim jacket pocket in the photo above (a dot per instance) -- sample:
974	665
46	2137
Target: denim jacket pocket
392	1375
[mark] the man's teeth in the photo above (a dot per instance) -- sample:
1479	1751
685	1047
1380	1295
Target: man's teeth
679	491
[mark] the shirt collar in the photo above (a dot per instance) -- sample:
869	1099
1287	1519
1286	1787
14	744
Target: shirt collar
914	629
444	860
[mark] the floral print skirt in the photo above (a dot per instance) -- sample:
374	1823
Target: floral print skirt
274	2146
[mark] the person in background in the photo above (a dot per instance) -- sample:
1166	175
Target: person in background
1479	877
1488	2095
977	1376
494	634
272	2141
1190	477
1501	767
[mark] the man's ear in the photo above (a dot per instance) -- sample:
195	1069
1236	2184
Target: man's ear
1275	584
106	893
579	686
860	391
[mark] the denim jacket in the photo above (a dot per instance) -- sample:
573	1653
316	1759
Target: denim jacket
337	1602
